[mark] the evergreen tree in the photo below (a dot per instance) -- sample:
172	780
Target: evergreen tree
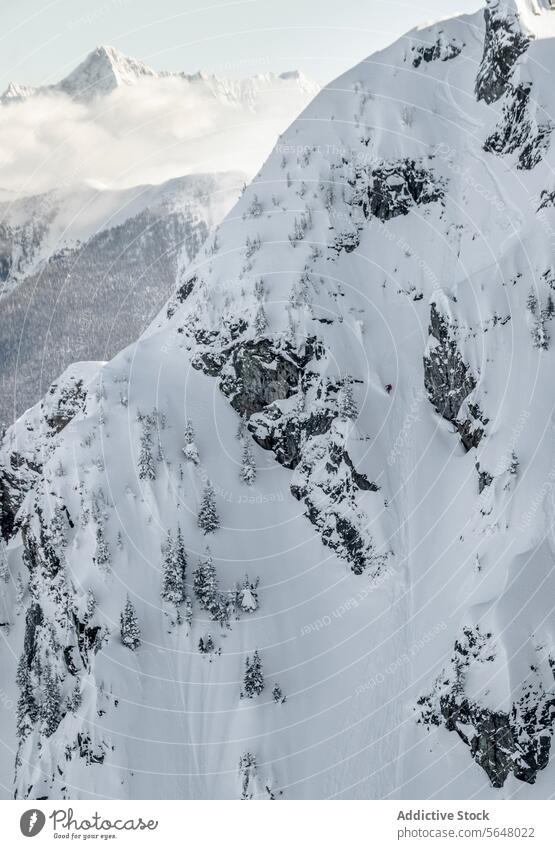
260	321
75	699
4	570
91	605
173	579
540	336
102	556
248	467
208	519
247	772
253	681
347	405
146	463
129	627
189	448
549	307
27	708
205	583
58	528
50	704
206	644
277	694
247	595
532	302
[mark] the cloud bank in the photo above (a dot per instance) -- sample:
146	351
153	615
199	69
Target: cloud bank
144	133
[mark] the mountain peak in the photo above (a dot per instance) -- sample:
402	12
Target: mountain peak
103	70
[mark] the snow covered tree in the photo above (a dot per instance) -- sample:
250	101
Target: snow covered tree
514	465
208	519
50	702
347	405
253	681
540	336
260	321
129	627
277	694
247	595
174	567
248	467
205	583
532	302
247	772
189	448
91	605
27	708
102	556
146	463
206	644
4	570
75	699
255	208
57	528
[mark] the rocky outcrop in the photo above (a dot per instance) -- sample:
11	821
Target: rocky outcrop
440	50
501	742
29	443
291	411
519	132
255	373
449	381
504	43
393	188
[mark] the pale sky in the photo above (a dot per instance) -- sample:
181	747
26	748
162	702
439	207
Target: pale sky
42	40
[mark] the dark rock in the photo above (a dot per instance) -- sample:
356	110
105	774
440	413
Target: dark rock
504	42
439	50
448	381
518	132
392	189
501	743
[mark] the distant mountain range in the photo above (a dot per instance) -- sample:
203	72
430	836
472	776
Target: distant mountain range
85	267
106	69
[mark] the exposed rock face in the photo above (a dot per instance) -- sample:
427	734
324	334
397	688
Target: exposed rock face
51	672
441	50
518	131
501	742
29	443
255	373
449	381
294	414
393	188
504	43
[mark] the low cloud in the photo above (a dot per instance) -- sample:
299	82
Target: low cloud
145	133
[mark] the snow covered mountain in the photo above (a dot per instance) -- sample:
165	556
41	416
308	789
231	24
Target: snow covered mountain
106	69
74	261
297	541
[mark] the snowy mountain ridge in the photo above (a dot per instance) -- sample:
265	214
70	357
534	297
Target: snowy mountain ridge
106	69
296	541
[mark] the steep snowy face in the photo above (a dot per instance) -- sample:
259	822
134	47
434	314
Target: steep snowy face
101	72
348	398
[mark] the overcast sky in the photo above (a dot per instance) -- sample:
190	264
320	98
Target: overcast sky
41	40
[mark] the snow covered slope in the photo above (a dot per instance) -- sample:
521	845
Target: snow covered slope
349	397
74	261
